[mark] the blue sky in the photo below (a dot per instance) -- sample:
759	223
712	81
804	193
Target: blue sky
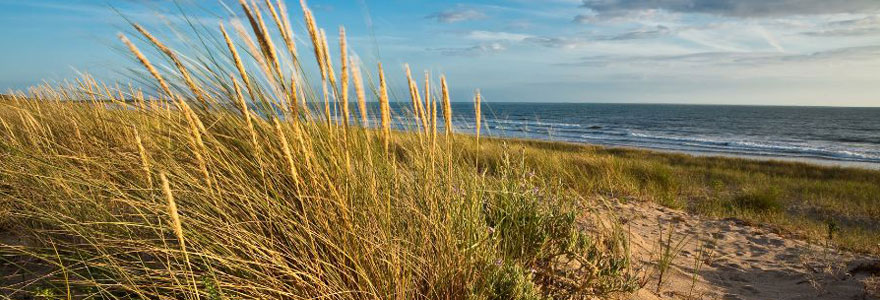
775	52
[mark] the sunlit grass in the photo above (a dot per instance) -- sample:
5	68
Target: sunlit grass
796	198
235	179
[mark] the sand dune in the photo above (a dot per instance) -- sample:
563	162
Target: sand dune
739	261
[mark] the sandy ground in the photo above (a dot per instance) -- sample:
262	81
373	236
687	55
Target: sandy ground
733	260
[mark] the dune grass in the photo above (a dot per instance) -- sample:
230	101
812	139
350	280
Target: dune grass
115	204
800	199
236	178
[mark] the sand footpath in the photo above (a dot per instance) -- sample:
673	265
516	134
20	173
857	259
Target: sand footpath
733	260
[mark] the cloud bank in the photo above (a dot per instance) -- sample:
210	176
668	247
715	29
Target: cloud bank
734	8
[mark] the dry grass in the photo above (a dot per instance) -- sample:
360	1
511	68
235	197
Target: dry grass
211	189
872	286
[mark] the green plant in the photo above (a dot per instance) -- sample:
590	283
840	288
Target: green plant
758	200
45	293
668	250
507	281
703	254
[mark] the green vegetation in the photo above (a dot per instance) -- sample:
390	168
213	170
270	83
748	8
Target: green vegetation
762	200
796	198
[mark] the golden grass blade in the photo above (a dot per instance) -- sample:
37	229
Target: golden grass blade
245	111
431	108
328	63
294	101
239	65
180	66
145	162
146	63
327	114
477	113
288	34
327	72
288	155
447	107
344	77
260	31
315	37
361	94
385	109
256	54
199	147
418	107
177	226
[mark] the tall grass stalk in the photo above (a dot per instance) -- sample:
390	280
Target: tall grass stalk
177	225
146	63
384	109
145	163
177	63
267	203
478	113
447	108
361	95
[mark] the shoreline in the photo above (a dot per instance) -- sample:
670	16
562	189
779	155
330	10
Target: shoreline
815	161
772	158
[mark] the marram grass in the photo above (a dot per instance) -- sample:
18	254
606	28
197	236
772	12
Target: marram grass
297	224
218	186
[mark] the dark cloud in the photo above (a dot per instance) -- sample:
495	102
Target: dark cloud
734	8
452	16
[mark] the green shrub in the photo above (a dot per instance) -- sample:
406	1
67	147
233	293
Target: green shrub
534	224
506	281
758	200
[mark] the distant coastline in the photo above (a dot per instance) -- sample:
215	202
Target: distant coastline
769	158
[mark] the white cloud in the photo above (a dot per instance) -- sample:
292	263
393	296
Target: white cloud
770	38
869	25
738	59
644	16
737	8
496	36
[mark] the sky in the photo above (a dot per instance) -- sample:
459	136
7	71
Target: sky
754	52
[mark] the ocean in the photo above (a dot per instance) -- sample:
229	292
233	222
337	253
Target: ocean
835	135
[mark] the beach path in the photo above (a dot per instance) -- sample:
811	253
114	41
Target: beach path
734	260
